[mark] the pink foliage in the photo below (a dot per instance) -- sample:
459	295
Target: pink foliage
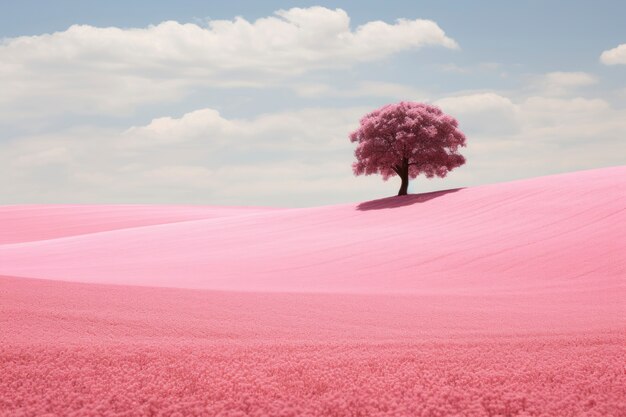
500	300
417	136
69	349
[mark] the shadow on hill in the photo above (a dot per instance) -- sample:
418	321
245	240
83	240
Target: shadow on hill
402	200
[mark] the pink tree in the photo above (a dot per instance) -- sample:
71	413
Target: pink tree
407	139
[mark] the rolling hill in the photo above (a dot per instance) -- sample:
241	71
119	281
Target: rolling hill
498	300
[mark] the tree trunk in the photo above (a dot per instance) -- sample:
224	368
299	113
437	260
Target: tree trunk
404	176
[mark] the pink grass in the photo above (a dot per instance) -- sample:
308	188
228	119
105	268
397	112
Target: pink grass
502	300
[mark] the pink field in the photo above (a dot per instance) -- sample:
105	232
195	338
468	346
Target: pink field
500	300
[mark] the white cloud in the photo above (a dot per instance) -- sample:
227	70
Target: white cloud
187	176
614	56
91	70
363	89
537	135
457	69
569	79
171	130
296	158
562	83
467	69
562	113
475	103
482	112
538	118
300	130
49	156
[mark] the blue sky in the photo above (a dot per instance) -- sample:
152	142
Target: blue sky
128	109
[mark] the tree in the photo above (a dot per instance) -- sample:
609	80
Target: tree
407	139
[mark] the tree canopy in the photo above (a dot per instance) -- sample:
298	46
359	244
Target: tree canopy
407	139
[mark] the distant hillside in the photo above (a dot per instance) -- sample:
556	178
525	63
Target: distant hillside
545	233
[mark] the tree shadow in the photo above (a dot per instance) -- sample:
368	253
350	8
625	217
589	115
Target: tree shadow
402	200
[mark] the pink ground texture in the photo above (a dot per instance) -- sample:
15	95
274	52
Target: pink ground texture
499	300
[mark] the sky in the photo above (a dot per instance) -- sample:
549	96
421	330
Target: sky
251	103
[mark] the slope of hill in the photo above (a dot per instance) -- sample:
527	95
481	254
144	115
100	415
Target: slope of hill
549	233
501	300
27	223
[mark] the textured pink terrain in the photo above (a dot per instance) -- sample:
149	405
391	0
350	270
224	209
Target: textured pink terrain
501	300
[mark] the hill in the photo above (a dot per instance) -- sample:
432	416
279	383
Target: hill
554	232
500	300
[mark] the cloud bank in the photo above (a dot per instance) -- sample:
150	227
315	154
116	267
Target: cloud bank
93	70
299	157
130	121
